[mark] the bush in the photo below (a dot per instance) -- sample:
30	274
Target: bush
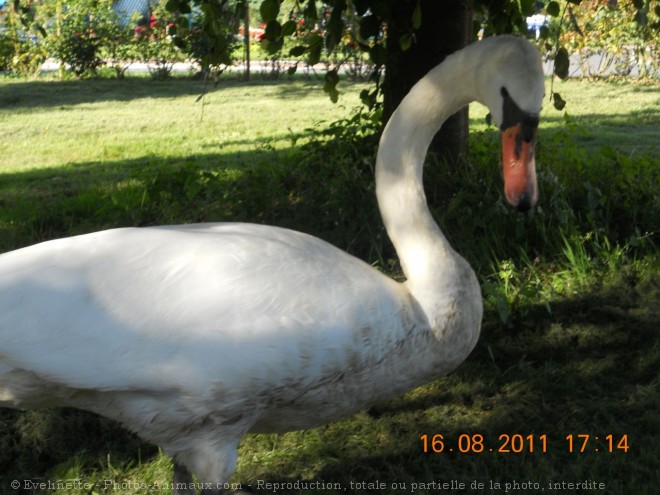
156	46
625	36
76	41
21	50
118	49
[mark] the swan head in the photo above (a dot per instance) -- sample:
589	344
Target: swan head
511	84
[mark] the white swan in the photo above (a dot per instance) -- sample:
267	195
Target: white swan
194	335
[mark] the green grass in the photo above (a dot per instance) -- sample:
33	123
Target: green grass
570	337
56	123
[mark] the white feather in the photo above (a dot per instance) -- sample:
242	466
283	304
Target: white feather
193	335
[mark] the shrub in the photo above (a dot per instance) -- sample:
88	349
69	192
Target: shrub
626	36
118	48
21	49
76	41
156	46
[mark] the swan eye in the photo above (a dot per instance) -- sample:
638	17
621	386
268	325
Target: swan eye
504	92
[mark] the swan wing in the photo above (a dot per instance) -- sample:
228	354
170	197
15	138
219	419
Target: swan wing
209	309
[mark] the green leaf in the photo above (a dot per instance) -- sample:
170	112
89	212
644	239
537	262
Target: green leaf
40	29
273	46
641	18
335	25
361	6
378	54
405	42
639	4
288	28
552	9
314	49
369	27
527	7
330	86
558	101
417	16
310	11
273	31
368	98
179	42
178	6
269	10
574	22
297	51
562	63
503	308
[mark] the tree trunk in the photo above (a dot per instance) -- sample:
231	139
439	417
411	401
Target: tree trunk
446	27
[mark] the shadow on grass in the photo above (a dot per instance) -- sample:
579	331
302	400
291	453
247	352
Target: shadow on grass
589	367
48	93
261	186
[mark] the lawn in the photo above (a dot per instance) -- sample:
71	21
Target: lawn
569	344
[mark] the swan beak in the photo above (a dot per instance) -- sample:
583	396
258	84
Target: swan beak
519	167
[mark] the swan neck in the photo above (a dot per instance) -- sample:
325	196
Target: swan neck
420	245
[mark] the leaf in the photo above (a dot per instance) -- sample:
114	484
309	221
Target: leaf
288	28
562	63
641	17
552	9
503	308
405	42
639	4
527	7
558	101
368	98
369	27
297	51
178	6
292	70
575	2
417	16
574	22
269	10
330	86
40	29
273	31
361	6
273	46
314	49
335	25
310	11
378	54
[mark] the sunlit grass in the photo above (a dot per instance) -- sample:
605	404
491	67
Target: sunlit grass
55	123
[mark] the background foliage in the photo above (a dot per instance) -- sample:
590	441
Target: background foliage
87	34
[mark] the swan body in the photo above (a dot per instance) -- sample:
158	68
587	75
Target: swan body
194	335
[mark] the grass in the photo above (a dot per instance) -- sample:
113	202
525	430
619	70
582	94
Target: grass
55	123
570	337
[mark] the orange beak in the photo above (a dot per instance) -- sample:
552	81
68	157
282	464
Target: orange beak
519	168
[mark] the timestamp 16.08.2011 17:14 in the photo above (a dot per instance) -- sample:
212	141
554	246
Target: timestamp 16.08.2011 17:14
517	443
